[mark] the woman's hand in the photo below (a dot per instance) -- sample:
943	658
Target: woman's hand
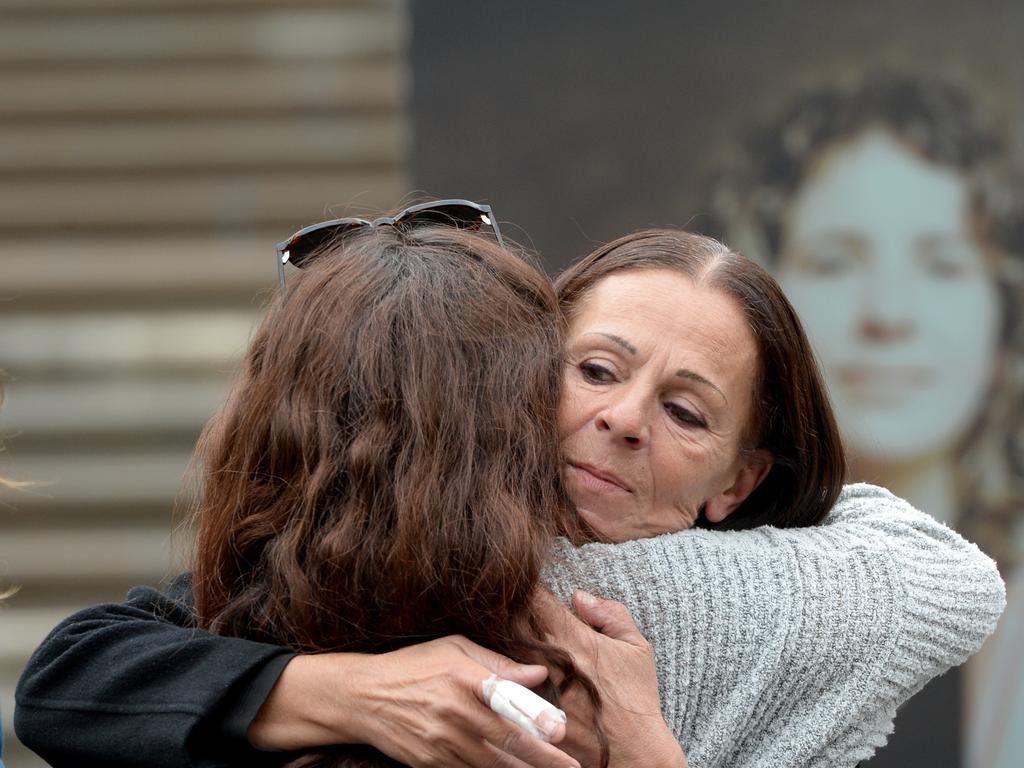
620	662
422	705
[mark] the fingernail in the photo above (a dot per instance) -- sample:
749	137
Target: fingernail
586	598
550	721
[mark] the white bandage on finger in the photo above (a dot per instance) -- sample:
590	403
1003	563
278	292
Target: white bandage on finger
523	707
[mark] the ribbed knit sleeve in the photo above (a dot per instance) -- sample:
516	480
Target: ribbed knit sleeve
794	647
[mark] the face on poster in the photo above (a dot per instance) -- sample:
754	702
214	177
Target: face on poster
880	259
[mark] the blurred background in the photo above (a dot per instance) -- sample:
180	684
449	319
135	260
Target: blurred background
153	151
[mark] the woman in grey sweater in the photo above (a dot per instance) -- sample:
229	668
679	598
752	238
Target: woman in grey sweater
774	646
784	647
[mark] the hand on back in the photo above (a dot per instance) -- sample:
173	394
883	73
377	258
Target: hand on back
607	646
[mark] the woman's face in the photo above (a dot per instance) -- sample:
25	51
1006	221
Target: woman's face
880	262
655	399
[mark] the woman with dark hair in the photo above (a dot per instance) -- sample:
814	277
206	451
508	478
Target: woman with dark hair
790	439
776	645
376	477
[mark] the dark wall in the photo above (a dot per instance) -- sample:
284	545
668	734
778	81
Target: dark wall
583	121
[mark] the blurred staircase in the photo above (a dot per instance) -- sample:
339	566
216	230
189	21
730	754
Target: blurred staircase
151	154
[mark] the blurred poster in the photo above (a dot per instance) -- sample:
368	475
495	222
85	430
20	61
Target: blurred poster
886	206
868	157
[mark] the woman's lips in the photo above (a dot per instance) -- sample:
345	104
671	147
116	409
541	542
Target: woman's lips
885	384
596	478
887	375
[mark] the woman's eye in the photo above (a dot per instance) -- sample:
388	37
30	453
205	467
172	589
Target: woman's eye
945	268
830	262
943	259
685	416
830	256
596	374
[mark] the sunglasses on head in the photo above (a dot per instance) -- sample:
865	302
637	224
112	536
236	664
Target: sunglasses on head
307	242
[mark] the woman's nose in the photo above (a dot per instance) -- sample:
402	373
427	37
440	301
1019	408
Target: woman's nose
625	420
887	307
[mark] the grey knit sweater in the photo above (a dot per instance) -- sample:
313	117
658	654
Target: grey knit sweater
793	647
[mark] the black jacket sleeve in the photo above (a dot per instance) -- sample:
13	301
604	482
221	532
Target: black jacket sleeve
136	684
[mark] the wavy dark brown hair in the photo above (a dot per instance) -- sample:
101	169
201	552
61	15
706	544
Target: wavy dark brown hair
386	468
792	416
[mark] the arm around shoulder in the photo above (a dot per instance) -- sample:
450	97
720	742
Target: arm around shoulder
951	592
118	683
117	676
879	595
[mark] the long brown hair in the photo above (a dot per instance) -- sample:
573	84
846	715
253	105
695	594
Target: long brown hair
386	468
792	417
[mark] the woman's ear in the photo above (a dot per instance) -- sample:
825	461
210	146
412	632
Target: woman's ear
754	467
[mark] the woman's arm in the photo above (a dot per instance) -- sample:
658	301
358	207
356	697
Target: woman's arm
782	646
116	677
133	683
422	705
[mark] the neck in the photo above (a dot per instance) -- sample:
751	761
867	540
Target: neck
927	483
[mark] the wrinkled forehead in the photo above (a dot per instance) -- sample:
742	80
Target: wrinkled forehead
692	326
665	312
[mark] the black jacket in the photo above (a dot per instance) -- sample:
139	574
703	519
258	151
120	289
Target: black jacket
110	686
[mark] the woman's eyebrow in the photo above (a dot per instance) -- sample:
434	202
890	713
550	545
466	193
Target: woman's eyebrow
618	340
686	373
682	373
